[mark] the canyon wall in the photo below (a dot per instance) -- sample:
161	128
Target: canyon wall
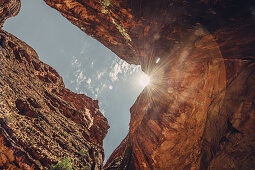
197	113
42	122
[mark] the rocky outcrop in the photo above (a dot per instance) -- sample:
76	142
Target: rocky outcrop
42	122
8	8
198	112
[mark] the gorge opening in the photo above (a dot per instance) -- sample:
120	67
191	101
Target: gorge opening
87	67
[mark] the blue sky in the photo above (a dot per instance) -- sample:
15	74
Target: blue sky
86	65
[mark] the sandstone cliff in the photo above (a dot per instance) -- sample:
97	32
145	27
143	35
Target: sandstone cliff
198	112
42	122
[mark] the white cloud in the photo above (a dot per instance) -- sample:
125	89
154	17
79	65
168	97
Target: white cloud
123	68
115	71
89	80
98	82
99	75
80	77
97	89
75	62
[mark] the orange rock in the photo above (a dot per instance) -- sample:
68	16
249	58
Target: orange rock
206	55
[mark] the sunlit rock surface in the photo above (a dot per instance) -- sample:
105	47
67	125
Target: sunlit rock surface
198	112
42	122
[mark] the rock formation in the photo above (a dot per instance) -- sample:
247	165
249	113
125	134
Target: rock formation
197	113
42	122
8	8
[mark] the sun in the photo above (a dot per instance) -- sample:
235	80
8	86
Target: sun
144	80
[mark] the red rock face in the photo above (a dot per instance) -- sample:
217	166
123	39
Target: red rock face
197	113
42	122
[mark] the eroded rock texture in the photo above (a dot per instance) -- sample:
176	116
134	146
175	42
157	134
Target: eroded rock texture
199	111
42	122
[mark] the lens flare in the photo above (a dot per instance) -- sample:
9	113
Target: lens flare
144	80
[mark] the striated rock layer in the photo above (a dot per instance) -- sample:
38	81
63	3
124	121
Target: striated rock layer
199	111
42	122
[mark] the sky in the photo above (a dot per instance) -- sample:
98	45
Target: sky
87	66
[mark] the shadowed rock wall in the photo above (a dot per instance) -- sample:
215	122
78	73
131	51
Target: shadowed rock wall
42	122
198	111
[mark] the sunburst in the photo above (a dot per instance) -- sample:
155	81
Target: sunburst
144	80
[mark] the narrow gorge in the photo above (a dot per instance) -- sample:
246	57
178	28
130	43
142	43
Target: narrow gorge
198	112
